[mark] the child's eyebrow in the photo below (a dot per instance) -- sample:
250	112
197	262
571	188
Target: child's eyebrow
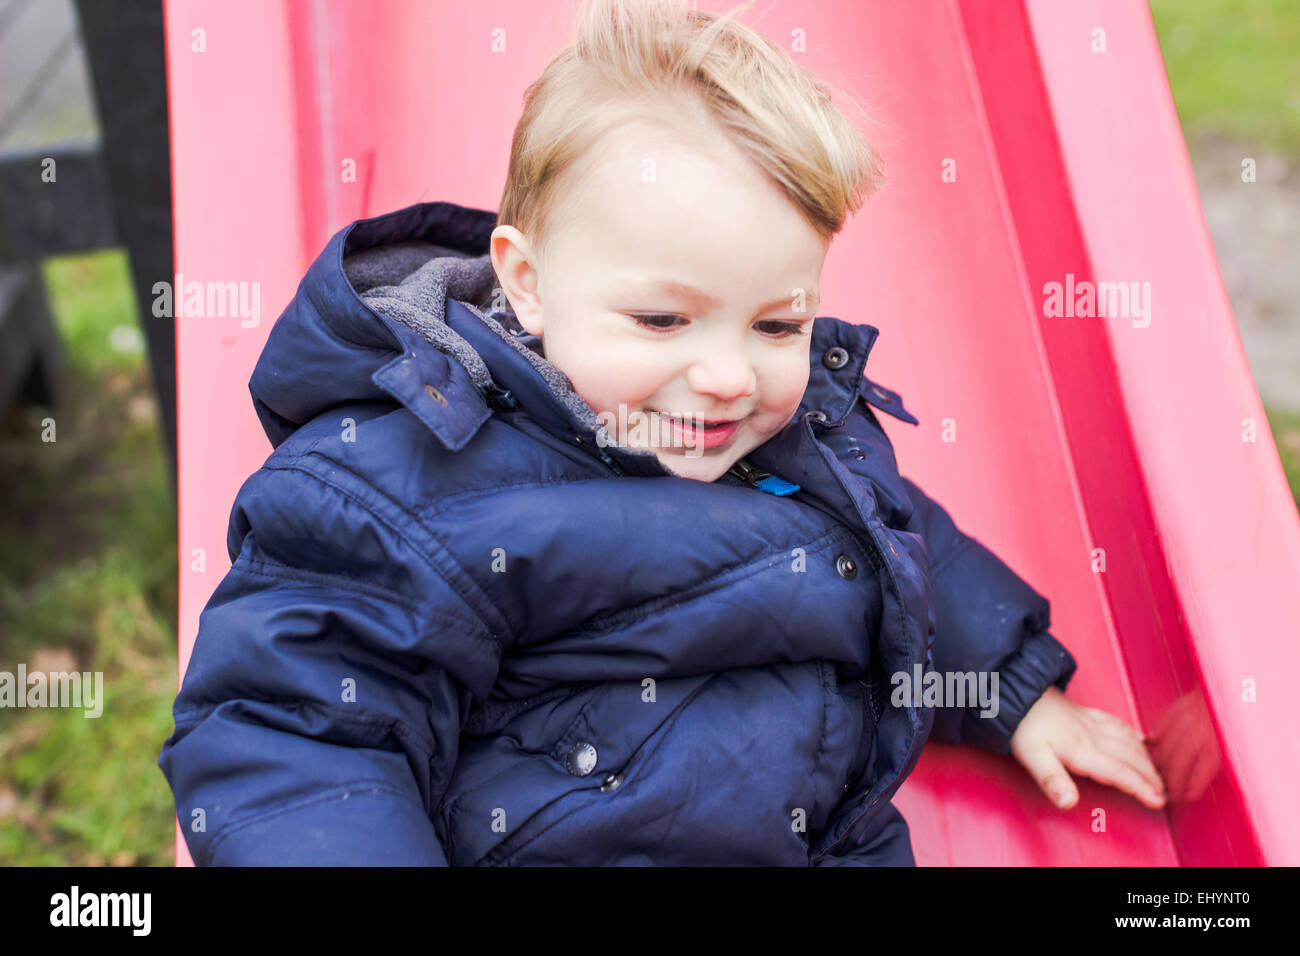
696	296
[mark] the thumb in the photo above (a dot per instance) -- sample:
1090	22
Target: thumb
1050	775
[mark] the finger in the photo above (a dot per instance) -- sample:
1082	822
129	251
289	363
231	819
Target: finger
1109	769
1129	749
1052	778
1110	724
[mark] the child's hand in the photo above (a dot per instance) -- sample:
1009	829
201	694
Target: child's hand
1057	731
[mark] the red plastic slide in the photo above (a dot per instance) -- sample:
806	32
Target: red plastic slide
1118	458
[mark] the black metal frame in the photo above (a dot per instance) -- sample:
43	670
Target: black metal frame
116	192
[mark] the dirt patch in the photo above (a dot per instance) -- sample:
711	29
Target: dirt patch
1255	227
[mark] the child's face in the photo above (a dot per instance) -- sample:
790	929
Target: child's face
655	205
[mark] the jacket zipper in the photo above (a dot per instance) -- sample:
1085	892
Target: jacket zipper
871	690
609	461
747	473
830	850
876	709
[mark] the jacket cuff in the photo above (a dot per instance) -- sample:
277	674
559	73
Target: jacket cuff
1041	662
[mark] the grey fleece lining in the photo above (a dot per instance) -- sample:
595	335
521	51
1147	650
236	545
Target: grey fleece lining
412	281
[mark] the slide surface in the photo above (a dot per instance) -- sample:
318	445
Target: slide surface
1121	463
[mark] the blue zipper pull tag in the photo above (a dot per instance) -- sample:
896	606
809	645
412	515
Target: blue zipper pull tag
776	486
761	479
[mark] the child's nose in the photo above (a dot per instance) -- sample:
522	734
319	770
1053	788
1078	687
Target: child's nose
725	376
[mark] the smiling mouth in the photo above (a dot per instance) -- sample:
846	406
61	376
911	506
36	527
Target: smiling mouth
700	438
693	420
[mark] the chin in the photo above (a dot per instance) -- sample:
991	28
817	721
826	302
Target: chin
702	468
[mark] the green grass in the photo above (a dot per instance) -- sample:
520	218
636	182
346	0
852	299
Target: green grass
88	579
1234	68
1286	432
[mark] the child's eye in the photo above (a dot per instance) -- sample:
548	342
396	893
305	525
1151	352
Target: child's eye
784	329
649	320
662	321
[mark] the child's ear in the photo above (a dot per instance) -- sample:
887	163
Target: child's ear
515	265
531	321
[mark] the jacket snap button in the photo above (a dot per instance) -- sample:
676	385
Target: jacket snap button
816	415
846	566
845	789
438	397
835	358
611	781
581	760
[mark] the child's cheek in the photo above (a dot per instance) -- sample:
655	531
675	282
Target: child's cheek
610	382
783	389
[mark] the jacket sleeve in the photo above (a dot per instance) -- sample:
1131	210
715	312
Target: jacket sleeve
987	620
320	713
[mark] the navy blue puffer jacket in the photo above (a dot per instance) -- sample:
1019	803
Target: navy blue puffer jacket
460	627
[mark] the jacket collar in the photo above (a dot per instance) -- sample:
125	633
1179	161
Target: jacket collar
329	347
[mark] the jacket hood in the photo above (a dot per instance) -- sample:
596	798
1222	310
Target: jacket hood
401	306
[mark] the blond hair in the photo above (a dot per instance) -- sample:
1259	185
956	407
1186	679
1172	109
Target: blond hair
651	58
